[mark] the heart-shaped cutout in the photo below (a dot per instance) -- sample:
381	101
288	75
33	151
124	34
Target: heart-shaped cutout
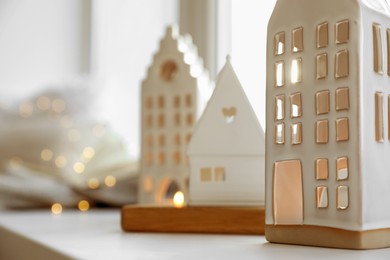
229	114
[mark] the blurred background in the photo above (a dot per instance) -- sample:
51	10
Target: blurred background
70	77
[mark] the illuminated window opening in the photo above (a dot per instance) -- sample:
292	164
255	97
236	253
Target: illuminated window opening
296	133
296	105
279	43
342	197
279	74
296	71
342	170
322	197
297	40
279	133
279	107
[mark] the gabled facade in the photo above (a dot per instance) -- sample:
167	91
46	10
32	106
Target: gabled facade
227	149
328	135
169	109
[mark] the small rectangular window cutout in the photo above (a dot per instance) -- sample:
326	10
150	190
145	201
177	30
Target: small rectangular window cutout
161	140
377	48
177	139
342	99
342	129
219	174
279	133
388	117
342	32
296	70
177	119
148	158
342	64
279	74
379	135
161	102
279	107
322	197
148	184
188	100
176	157
149	120
297	40
322	169
322	35
322	66
342	197
322	102
188	138
205	174
176	102
279	43
342	169
161	158
296	133
322	132
149	140
190	120
296	105
388	51
161	120
149	103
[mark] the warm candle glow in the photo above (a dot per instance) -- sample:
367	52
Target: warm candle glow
56	208
296	71
83	205
178	199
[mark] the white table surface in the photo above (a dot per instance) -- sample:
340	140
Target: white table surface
97	235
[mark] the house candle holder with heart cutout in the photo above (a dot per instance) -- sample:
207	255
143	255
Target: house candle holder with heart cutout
227	148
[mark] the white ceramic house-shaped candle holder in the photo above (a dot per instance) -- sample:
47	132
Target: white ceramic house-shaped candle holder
328	123
170	106
227	148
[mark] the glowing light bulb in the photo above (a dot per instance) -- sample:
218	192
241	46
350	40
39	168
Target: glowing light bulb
43	103
110	181
56	208
93	183
61	161
79	167
46	154
178	199
83	205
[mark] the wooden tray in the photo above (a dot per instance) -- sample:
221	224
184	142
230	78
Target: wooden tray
220	220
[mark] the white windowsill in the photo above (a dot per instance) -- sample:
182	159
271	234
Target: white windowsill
97	235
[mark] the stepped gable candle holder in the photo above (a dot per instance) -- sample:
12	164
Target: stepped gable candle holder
328	126
171	104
